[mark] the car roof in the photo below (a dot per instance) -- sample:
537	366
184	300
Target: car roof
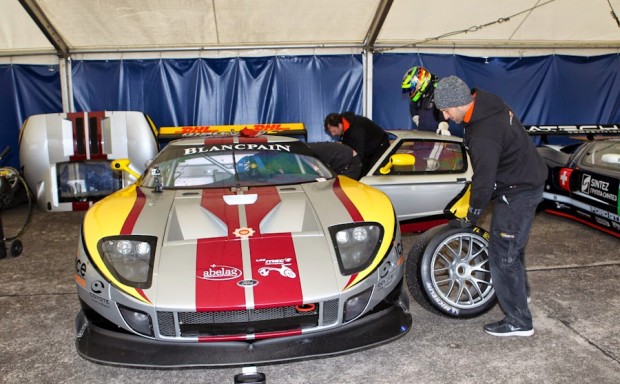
413	134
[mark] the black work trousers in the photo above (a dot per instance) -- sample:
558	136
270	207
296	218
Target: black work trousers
513	214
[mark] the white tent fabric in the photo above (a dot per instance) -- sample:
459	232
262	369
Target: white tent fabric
85	28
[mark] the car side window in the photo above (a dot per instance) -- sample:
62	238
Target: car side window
603	154
432	156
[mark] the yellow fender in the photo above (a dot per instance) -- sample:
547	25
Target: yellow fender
457	208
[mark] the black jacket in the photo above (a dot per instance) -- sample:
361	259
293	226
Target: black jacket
504	157
339	157
367	138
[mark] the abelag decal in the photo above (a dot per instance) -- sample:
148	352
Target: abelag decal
217	272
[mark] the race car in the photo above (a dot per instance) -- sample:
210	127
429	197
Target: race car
583	183
238	249
421	191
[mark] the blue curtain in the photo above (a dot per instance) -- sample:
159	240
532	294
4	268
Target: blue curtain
25	90
224	91
542	90
549	90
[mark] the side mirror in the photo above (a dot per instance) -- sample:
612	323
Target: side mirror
399	160
123	165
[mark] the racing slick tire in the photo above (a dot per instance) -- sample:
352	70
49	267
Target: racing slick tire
447	272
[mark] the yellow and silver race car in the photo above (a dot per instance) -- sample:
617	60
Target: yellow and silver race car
238	249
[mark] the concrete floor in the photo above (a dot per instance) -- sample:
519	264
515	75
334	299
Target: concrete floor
574	272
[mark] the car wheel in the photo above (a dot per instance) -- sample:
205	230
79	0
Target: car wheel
447	272
16	247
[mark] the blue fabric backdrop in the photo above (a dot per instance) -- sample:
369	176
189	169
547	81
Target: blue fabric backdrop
224	91
549	90
25	90
542	90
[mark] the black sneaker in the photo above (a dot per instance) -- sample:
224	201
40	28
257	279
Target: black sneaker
503	328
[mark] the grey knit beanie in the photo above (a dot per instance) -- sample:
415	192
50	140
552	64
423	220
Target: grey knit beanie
451	92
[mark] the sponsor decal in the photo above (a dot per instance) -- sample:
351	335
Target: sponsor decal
80	268
243	232
565	178
387	281
97	286
602	222
433	295
595	186
238	147
99	300
572	129
218	130
281	266
605	214
220	272
485	235
585	183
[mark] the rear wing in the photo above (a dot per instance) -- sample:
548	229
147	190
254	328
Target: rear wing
589	130
283	129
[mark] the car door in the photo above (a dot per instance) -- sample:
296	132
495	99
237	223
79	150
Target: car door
593	182
424	189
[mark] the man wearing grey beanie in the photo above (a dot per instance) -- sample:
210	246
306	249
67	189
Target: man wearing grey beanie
509	171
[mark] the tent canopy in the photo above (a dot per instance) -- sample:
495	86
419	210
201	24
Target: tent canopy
69	27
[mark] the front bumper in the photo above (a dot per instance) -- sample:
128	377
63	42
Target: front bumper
107	346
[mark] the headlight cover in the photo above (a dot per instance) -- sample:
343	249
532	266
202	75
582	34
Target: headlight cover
356	245
129	258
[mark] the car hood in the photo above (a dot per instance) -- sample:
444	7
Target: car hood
223	249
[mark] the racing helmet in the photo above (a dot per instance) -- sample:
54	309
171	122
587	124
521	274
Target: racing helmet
416	82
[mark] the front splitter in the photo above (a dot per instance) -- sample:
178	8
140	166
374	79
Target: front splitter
105	346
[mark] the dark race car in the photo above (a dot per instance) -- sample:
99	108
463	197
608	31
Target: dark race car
583	183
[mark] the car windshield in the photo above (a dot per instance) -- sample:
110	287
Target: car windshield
234	165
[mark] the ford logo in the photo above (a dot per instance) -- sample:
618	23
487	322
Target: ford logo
247	283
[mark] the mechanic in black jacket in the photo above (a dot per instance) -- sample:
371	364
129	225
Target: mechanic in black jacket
509	171
368	140
339	157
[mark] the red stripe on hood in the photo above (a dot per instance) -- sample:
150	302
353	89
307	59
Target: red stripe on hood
273	260
274	263
348	204
133	215
219	265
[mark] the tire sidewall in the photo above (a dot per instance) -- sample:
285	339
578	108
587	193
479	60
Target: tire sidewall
426	276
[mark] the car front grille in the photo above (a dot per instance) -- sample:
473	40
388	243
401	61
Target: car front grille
242	322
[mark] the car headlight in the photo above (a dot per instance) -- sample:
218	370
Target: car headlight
355	305
129	258
356	245
137	320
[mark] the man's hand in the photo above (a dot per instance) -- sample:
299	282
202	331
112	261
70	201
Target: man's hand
416	120
460	223
443	129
